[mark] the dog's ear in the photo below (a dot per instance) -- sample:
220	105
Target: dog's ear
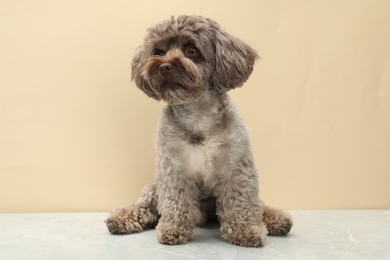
234	60
137	71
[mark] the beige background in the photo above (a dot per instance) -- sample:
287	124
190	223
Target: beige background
76	135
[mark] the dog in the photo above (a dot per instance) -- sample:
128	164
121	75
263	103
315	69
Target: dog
205	167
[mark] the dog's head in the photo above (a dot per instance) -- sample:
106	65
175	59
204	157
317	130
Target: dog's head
182	57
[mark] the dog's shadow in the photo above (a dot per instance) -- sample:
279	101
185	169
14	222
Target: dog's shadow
208	233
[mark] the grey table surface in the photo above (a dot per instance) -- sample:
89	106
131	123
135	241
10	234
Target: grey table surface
333	234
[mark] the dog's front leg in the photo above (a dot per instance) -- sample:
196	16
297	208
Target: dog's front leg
239	209
178	203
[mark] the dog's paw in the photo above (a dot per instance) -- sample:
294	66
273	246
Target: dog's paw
170	234
125	221
245	235
278	222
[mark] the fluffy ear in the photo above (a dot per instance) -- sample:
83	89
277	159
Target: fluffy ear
137	74
234	60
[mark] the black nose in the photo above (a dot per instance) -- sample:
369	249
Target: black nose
165	68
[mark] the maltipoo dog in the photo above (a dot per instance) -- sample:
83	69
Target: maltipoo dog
205	166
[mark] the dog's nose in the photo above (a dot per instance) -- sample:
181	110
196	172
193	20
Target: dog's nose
165	68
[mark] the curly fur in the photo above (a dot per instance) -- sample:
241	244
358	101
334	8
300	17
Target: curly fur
205	166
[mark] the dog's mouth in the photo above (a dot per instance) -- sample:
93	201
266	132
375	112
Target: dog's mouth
174	81
177	93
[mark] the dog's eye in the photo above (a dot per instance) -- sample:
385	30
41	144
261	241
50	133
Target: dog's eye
191	51
158	52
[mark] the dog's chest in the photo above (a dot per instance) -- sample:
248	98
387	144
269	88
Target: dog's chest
199	159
